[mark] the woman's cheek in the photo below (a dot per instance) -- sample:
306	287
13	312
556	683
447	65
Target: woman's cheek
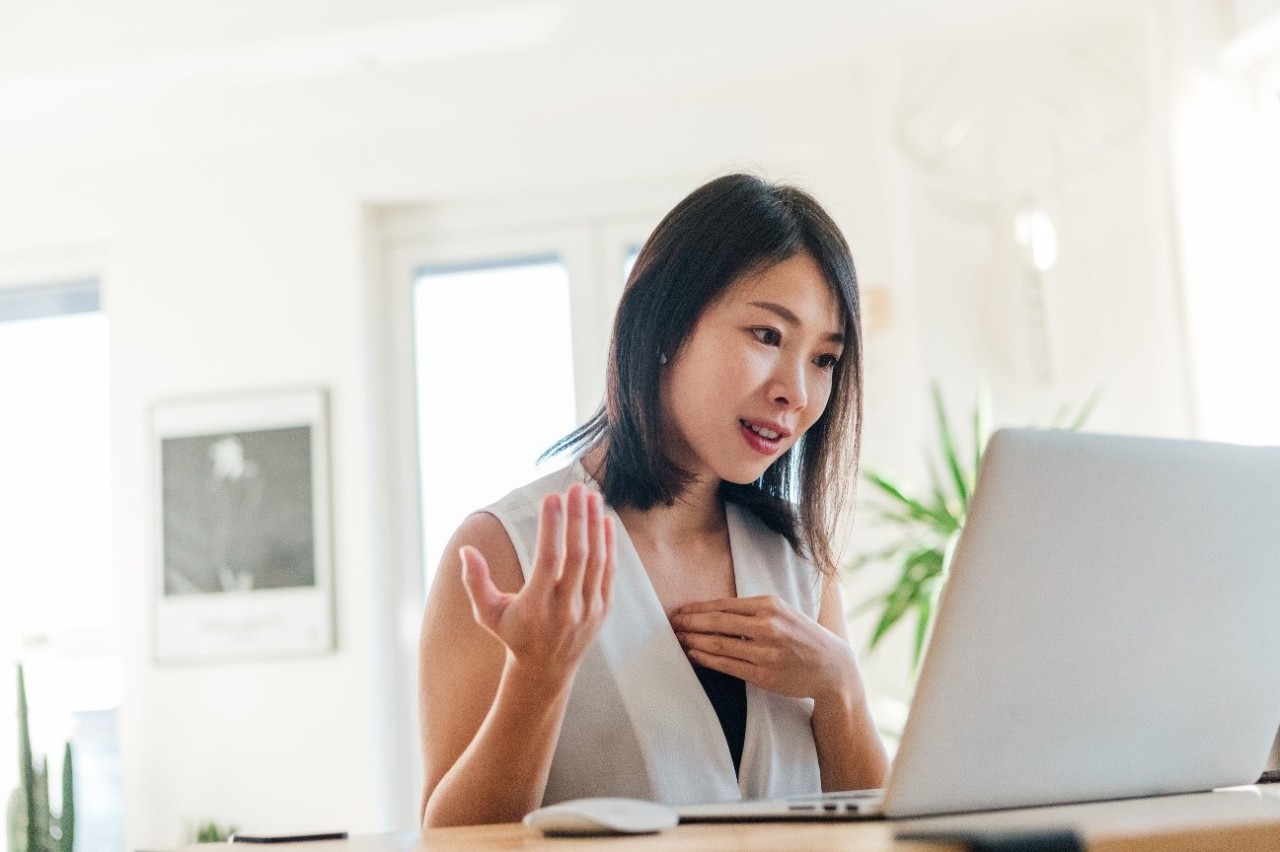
818	403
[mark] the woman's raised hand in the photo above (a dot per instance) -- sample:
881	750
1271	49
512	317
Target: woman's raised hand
548	625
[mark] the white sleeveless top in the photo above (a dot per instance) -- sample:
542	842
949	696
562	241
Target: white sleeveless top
639	723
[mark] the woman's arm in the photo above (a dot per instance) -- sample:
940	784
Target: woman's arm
850	752
769	643
497	658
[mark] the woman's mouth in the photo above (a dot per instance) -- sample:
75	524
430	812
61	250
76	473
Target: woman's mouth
762	439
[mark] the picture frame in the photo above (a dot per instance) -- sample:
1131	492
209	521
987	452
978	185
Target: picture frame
243	527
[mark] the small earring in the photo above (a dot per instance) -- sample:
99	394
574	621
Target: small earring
662	358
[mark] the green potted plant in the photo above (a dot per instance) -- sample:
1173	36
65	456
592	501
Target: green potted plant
211	832
32	826
927	525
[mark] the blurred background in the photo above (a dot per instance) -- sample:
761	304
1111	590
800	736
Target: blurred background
427	210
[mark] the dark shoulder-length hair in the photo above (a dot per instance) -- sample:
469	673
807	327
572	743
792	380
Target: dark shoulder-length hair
723	230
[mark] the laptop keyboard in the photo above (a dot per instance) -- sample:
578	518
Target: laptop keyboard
832	803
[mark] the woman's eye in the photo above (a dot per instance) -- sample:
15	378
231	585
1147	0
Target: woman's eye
826	362
767	336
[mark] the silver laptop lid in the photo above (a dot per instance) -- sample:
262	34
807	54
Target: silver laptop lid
1108	629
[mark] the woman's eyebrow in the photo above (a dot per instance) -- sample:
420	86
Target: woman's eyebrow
788	316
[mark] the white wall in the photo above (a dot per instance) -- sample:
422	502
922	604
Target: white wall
244	270
240	261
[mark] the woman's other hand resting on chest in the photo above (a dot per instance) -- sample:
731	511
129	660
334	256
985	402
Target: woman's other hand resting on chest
770	644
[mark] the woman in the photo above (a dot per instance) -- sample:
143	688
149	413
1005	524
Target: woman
698	521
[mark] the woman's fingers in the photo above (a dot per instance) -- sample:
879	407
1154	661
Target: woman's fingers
742	606
597	547
719	646
610	557
740	669
487	600
727	623
550	550
577	541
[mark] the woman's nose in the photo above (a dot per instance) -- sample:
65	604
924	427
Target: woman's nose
789	387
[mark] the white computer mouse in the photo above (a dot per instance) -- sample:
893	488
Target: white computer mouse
601	816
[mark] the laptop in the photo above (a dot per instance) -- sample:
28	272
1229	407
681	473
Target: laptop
1107	631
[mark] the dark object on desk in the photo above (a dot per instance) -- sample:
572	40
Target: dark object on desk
287	838
1271	776
1002	841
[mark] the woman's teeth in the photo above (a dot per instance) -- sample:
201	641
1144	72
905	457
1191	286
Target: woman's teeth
763	433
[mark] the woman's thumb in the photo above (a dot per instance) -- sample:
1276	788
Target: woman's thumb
486	598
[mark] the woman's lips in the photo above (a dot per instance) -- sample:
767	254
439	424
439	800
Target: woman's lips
759	443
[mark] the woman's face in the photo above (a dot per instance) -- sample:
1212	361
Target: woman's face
755	373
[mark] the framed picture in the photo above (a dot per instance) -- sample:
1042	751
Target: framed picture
244	553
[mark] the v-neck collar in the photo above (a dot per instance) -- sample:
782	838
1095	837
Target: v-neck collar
672	714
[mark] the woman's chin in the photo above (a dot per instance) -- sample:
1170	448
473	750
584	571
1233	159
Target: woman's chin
744	476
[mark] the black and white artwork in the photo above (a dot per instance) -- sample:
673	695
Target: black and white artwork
237	511
244	527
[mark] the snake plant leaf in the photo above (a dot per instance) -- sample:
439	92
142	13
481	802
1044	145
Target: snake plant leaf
67	819
42	818
949	448
27	768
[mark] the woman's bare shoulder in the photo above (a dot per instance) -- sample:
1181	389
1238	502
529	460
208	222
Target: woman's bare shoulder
486	533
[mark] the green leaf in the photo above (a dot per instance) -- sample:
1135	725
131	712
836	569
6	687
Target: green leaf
941	505
897	519
896	604
949	448
914	507
28	776
921	565
67	819
865	559
924	616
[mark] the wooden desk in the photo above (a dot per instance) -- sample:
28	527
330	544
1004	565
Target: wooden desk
1244	819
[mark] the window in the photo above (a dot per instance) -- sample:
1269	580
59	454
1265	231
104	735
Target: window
494	359
496	349
629	261
55	571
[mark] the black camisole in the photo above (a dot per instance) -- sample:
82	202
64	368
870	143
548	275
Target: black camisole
728	696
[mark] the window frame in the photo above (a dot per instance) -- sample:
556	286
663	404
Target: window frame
590	235
63	281
63	275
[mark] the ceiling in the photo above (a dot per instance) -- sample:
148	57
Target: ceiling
76	68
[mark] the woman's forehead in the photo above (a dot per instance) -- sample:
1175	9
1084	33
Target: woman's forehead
796	284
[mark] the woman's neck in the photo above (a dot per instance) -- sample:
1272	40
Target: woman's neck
696	514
